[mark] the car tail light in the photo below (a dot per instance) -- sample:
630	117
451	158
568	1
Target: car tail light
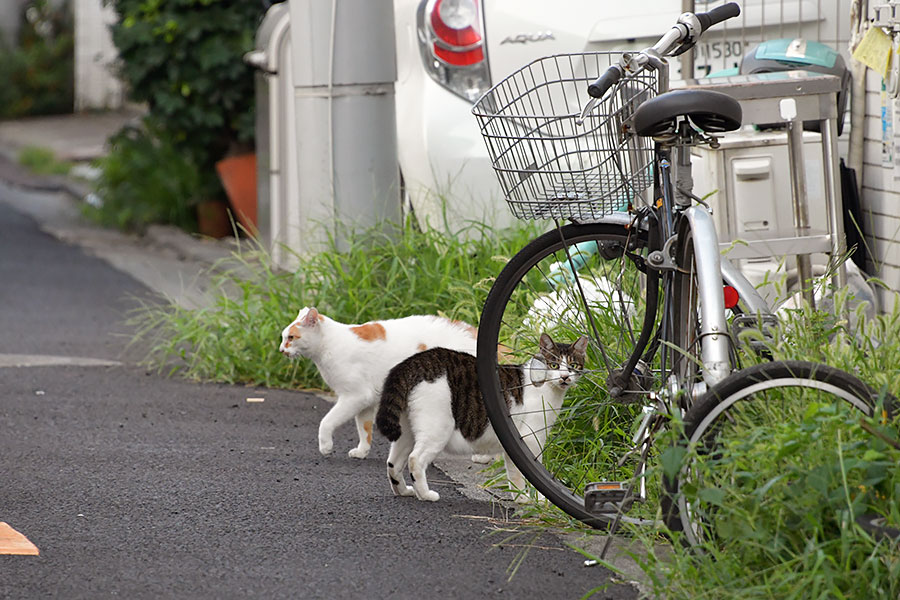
451	41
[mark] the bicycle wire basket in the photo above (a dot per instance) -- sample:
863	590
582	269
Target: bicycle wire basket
549	165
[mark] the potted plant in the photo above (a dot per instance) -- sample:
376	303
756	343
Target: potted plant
184	59
237	172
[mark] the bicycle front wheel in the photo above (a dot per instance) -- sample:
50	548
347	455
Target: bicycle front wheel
764	438
578	280
685	319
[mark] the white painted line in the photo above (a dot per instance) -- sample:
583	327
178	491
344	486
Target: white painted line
42	360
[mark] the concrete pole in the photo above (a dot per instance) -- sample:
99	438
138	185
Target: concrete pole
96	85
344	68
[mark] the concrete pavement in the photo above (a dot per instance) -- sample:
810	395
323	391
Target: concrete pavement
77	137
135	485
140	486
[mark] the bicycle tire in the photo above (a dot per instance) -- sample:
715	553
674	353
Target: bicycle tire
685	318
509	323
686	335
725	430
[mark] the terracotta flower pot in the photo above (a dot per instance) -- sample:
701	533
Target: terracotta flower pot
238	176
213	219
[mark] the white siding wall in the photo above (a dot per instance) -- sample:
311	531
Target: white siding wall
880	197
96	86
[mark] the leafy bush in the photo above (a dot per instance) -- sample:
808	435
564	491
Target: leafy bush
38	72
184	59
145	178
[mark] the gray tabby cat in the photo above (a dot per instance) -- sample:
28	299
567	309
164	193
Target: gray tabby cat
431	402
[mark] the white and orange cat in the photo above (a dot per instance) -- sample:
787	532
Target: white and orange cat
354	360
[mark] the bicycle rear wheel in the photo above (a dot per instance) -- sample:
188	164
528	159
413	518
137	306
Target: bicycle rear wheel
763	435
576	280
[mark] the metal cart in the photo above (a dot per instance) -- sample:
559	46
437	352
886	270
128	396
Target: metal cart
790	98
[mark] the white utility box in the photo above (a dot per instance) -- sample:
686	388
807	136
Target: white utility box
751	169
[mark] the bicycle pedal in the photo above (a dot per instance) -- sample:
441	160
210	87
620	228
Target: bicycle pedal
602	493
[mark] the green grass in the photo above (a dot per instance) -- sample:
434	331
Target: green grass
376	275
43	161
802	542
786	518
786	521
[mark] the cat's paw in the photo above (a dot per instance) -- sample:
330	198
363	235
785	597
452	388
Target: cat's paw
358	453
430	496
326	447
483	459
522	498
404	491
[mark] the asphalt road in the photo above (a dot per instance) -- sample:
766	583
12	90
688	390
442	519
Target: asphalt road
134	485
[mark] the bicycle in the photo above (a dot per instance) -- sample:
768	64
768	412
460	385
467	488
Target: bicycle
637	270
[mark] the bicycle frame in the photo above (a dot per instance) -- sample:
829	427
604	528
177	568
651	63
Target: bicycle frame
586	171
679	217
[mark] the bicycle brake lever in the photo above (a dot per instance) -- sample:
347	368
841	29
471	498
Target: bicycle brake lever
584	112
683	48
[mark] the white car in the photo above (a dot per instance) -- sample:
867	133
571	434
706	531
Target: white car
449	52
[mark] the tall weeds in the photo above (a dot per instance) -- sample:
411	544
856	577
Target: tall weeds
374	275
802	541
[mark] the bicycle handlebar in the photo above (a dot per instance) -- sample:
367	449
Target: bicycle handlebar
609	78
675	37
718	14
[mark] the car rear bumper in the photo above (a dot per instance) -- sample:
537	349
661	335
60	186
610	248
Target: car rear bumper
444	162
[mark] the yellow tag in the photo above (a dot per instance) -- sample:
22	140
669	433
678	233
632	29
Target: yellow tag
874	50
659	203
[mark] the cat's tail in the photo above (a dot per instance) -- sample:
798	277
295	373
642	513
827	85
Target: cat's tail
400	382
394	400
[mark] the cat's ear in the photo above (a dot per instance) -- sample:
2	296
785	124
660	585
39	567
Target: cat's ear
311	318
581	345
546	343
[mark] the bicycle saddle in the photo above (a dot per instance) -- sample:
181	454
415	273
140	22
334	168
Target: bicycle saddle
712	112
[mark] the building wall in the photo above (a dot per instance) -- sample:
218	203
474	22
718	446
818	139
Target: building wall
880	196
96	86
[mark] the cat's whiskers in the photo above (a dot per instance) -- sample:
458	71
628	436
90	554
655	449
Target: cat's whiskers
537	411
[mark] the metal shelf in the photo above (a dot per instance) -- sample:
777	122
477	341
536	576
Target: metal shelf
790	98
779	243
